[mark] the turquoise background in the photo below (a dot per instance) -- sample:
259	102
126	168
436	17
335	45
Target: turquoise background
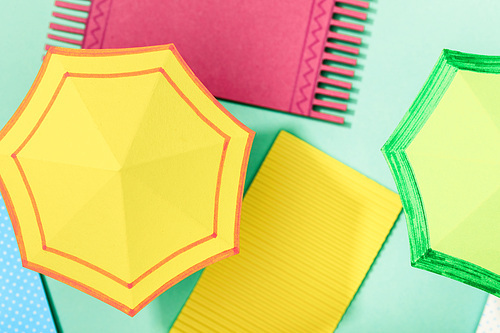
403	40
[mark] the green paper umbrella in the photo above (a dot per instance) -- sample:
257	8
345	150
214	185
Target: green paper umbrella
445	158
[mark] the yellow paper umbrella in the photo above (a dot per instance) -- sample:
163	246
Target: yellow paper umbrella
122	174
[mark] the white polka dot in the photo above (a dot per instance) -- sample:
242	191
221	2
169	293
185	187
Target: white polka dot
490	319
13	296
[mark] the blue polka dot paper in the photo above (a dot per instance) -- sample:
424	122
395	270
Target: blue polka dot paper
490	320
23	303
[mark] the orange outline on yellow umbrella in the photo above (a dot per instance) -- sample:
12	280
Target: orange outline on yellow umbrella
80	285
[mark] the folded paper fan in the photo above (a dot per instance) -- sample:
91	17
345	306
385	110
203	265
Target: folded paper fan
445	159
122	174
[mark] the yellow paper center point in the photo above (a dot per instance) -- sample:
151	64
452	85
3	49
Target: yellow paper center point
105	166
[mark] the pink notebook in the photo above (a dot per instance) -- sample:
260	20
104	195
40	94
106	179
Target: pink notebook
268	53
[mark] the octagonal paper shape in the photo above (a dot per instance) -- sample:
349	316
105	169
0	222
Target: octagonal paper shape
122	174
445	159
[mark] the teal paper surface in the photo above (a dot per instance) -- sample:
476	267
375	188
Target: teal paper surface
400	46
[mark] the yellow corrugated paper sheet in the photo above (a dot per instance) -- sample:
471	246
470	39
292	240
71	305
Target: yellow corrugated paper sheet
310	229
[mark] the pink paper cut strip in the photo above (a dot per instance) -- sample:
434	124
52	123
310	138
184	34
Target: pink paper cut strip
291	60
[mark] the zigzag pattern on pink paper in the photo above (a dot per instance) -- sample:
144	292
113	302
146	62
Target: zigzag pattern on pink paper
309	61
322	90
94	41
327	56
95	23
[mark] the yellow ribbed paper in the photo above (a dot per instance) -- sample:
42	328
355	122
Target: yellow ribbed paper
310	230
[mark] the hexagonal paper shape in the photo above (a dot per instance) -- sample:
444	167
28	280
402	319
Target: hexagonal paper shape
122	174
445	159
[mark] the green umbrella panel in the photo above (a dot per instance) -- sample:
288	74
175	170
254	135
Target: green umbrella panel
445	159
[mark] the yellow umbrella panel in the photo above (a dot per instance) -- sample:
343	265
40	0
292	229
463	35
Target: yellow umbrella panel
122	174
